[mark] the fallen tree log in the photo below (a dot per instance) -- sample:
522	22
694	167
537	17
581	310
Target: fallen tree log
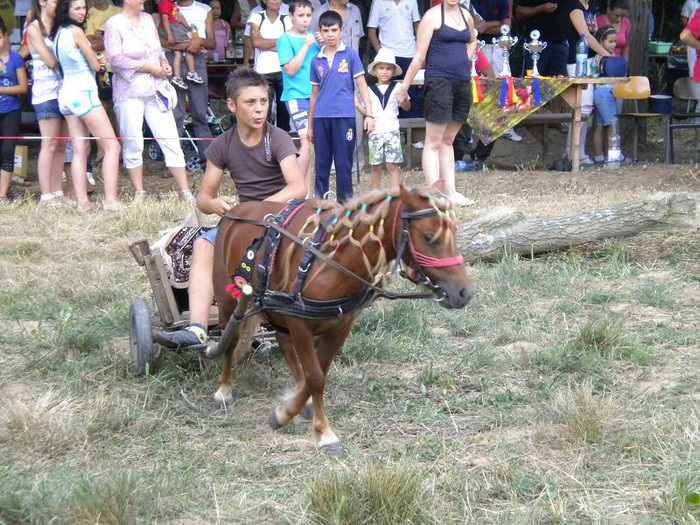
507	230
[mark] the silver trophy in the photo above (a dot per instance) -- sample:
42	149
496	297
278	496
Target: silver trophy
535	47
506	43
479	46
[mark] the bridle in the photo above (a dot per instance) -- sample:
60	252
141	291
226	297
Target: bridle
418	261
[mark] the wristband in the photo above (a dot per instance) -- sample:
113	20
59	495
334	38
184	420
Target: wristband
369	116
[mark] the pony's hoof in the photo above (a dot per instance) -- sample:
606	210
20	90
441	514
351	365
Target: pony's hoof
220	404
307	412
335	449
274	424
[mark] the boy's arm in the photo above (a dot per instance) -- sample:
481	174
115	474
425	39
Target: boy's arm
295	179
364	93
207	200
294	65
359	107
310	119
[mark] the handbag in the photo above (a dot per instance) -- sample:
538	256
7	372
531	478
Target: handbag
166	96
614	67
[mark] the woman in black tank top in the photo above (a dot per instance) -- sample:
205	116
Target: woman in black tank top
445	42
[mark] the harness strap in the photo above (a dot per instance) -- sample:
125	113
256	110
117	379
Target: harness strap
309	257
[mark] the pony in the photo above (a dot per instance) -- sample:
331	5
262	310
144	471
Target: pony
354	246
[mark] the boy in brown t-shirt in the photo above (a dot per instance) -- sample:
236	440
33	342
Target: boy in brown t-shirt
262	160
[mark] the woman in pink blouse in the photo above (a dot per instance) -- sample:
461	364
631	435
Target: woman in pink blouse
616	16
140	77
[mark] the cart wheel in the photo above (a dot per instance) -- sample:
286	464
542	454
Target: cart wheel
141	339
194	163
154	152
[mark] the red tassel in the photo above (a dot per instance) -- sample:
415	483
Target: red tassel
510	95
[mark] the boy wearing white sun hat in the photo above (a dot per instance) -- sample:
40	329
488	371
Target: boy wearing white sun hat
385	140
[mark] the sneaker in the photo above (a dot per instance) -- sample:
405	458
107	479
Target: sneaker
181	339
194	78
512	135
586	161
460	200
599	161
418	145
90	178
179	83
186	196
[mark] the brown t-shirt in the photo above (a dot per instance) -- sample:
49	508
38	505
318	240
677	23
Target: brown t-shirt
255	170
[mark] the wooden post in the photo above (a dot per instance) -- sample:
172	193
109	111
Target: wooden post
638	43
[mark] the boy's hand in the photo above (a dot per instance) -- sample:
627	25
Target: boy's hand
319	38
310	135
310	40
221	205
167	70
358	105
369	124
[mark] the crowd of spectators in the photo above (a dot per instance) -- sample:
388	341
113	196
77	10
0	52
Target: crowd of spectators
145	56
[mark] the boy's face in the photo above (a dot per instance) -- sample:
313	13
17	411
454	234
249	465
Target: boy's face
250	107
331	35
274	4
301	19
384	72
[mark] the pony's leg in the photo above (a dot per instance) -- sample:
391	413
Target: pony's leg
281	416
316	365
234	353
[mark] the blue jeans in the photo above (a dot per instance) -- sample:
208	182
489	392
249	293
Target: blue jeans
604	105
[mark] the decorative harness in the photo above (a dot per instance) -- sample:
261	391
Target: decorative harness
294	304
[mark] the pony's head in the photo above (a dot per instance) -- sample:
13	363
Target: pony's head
424	236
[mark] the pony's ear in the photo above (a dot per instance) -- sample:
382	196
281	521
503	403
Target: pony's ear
405	194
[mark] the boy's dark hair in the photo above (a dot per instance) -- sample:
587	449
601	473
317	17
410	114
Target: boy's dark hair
605	32
3	29
299	3
63	18
619	4
329	19
243	78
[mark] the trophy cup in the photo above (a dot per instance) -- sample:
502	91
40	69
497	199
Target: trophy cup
506	43
479	45
535	47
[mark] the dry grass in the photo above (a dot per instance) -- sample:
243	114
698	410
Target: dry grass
566	393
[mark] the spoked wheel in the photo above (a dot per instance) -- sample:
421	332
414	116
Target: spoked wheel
141	339
154	152
193	163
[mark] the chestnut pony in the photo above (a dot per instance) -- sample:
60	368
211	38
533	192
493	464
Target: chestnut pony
364	236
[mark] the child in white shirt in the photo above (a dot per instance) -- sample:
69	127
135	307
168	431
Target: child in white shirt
385	140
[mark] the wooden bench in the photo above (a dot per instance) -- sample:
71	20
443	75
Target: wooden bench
541	120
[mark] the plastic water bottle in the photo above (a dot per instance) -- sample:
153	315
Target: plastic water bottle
582	57
614	146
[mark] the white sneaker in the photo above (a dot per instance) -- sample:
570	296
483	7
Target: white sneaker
512	135
460	200
90	178
586	161
418	145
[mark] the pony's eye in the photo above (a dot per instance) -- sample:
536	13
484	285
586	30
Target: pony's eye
428	237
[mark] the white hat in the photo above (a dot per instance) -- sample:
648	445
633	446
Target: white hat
385	56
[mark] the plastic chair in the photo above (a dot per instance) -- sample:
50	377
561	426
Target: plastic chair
636	89
684	89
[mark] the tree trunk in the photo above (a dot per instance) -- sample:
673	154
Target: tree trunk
639	15
488	237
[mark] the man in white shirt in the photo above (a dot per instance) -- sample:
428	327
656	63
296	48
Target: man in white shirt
353	29
248	44
198	15
397	22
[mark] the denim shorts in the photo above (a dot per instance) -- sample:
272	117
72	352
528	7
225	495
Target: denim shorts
605	106
47	110
210	235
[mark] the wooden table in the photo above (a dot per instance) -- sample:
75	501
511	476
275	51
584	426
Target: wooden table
573	96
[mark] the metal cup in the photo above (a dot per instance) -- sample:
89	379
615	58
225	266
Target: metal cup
506	43
479	46
535	47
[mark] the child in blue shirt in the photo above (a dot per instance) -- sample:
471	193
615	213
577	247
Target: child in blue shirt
296	48
13	83
334	72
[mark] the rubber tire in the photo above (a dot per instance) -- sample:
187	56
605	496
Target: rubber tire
153	150
193	163
141	339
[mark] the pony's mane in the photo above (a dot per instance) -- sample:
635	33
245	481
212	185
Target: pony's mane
371	210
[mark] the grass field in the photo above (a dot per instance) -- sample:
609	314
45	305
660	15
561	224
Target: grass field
567	392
